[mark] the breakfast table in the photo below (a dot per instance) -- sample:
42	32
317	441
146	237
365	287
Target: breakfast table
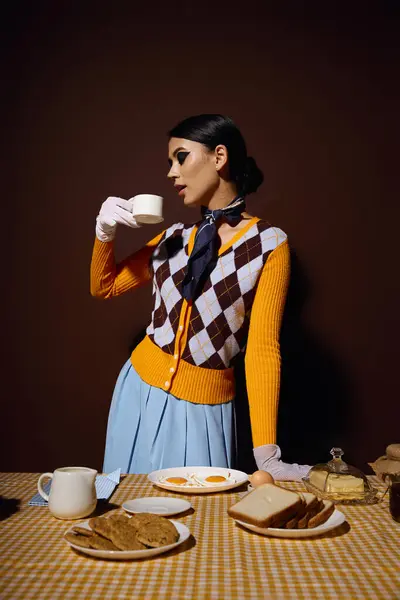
359	559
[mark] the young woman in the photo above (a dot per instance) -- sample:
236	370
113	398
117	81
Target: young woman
219	289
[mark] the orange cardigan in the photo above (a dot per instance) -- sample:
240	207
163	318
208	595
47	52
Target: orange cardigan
194	383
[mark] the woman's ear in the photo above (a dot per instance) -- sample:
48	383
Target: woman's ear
221	157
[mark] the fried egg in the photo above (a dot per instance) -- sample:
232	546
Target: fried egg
213	480
197	480
178	481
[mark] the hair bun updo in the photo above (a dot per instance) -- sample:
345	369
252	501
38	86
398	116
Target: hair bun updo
252	176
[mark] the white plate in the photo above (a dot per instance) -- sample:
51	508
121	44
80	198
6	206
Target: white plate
157	506
239	477
183	531
336	519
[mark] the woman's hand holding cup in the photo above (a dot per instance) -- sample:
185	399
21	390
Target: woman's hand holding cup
141	209
114	211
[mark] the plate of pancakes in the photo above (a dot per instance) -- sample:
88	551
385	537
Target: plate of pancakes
198	480
117	536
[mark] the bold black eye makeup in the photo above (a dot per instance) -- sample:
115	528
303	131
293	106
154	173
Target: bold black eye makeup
181	156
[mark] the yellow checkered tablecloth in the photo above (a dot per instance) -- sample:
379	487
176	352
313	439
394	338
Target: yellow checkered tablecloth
358	560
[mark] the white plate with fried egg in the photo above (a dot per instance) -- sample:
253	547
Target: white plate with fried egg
198	480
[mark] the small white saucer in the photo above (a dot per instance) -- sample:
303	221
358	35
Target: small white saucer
157	506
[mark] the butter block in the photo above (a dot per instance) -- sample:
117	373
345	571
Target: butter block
336	484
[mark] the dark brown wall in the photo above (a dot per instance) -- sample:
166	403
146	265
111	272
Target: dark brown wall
90	97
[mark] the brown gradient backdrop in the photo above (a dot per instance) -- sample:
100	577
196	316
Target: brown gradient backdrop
90	98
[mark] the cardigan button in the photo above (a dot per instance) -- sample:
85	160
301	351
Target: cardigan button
166	384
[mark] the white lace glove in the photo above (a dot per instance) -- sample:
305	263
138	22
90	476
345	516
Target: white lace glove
114	211
268	459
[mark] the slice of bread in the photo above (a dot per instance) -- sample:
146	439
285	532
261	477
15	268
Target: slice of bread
292	523
303	522
311	500
323	515
308	510
267	506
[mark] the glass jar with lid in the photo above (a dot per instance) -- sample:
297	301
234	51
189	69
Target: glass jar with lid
340	482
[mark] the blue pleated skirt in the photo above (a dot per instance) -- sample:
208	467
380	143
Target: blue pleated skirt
149	429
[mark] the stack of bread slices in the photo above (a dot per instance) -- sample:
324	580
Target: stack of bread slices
272	506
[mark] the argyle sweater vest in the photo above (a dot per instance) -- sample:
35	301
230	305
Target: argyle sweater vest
219	319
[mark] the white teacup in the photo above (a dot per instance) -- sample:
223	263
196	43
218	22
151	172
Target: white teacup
72	493
147	208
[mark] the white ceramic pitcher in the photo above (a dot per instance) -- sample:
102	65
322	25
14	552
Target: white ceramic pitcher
72	493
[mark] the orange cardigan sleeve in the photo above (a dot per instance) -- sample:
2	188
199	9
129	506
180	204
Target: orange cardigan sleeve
263	359
108	279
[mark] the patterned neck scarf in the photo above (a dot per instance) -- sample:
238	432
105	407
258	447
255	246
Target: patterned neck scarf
205	249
